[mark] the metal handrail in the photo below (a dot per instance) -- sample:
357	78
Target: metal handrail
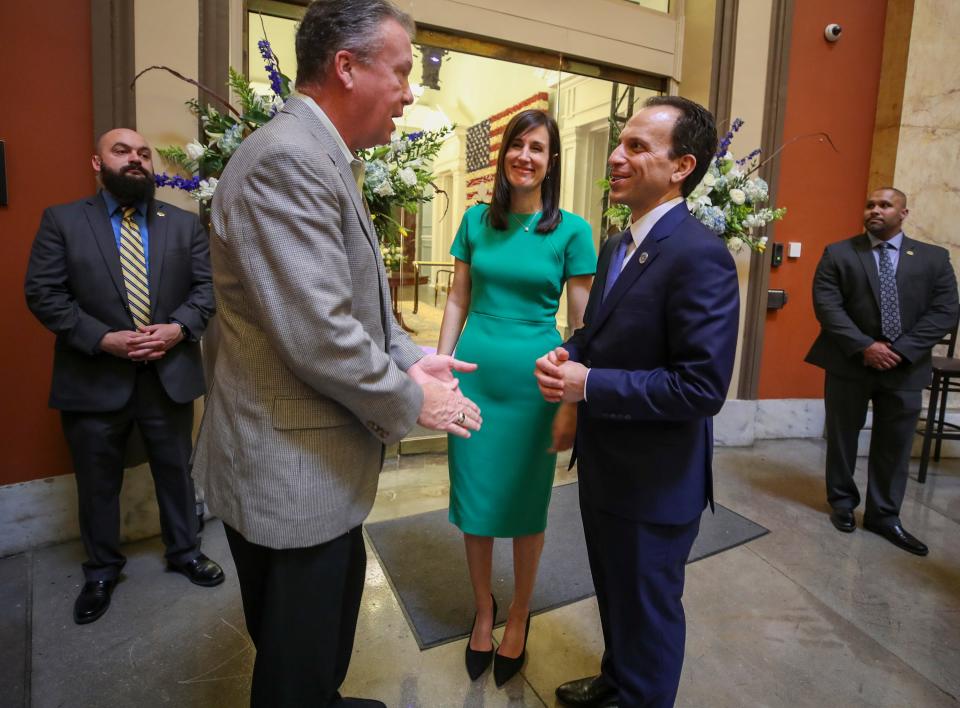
416	278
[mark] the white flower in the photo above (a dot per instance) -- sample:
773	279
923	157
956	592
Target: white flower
709	179
735	243
737	196
205	191
384	189
194	150
408	176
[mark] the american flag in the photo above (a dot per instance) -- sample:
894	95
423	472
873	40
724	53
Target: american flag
483	145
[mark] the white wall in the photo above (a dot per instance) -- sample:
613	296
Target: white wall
161	116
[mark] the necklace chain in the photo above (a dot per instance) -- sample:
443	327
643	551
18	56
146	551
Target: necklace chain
525	226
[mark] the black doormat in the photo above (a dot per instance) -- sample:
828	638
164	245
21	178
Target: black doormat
423	558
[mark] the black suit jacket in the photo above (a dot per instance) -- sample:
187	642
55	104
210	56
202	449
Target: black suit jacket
660	348
846	300
75	287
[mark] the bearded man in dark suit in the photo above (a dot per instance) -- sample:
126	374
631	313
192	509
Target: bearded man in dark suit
883	301
123	281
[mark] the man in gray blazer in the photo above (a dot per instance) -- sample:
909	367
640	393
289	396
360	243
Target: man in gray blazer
883	301
123	280
313	376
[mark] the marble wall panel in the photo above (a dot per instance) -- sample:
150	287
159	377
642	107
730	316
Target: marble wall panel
929	146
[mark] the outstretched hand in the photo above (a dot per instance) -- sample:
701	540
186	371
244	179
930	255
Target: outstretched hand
439	367
444	407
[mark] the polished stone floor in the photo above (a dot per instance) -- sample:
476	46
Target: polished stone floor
804	616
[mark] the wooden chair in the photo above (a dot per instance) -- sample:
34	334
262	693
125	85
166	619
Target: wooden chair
934	427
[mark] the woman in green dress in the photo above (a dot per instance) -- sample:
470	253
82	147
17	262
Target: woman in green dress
512	259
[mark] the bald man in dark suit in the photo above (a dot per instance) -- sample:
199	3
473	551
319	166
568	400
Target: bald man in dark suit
124	282
883	301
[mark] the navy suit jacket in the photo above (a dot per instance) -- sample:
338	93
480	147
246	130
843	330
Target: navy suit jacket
660	349
75	287
846	299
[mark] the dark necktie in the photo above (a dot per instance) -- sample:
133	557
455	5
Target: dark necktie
889	299
616	263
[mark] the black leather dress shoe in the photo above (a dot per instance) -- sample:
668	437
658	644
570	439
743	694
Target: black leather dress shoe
898	537
505	667
478	661
590	692
358	703
93	601
201	571
843	520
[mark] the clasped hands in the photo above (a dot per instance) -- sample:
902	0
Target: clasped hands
444	407
561	380
146	344
880	356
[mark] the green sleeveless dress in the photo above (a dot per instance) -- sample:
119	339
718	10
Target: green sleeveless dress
501	477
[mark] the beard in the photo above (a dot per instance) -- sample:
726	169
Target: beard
127	188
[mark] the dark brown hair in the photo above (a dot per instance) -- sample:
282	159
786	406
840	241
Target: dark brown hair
499	214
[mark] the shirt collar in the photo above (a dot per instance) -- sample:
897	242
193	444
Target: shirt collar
356	166
896	241
113	204
642	226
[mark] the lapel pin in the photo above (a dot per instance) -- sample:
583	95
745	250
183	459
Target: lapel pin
909	253
643	257
161	213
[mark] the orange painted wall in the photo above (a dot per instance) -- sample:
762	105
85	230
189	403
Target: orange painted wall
46	120
831	88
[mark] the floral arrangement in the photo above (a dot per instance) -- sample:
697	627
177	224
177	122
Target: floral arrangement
223	131
397	176
728	201
397	179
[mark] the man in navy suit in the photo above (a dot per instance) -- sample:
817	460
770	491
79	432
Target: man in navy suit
650	368
124	282
883	301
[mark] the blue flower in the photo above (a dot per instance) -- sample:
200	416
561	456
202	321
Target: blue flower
177	182
414	137
728	138
749	158
713	218
273	72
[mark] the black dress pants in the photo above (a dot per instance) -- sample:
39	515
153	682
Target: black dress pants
97	444
301	607
895	414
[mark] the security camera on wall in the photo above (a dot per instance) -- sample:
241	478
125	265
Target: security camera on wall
833	32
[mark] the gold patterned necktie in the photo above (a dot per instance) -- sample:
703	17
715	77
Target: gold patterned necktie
134	266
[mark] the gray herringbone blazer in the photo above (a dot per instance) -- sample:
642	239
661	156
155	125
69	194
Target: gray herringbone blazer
309	380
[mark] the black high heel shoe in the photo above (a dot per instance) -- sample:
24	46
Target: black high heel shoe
505	668
478	661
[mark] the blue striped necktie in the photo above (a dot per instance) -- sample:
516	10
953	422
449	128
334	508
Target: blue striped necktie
134	266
